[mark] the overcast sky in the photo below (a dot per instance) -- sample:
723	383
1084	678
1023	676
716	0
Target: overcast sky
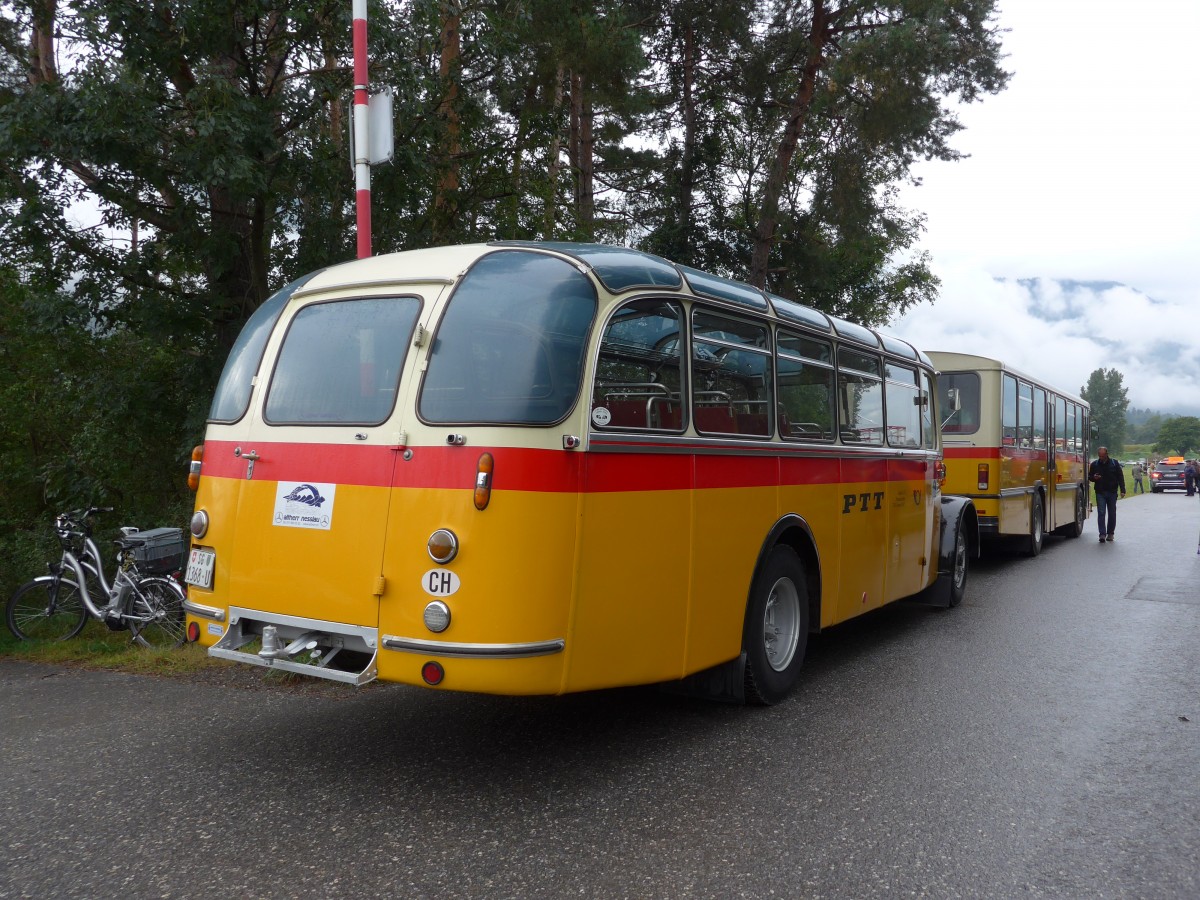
1085	169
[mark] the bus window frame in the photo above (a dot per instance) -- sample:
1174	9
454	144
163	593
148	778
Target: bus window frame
844	374
769	385
914	389
682	357
340	423
585	343
824	437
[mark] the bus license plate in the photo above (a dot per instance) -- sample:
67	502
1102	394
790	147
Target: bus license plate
200	568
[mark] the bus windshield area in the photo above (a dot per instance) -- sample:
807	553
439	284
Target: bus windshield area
510	346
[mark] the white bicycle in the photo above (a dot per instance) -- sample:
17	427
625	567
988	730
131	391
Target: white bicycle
145	596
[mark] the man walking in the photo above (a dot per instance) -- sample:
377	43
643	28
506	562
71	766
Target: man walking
1105	473
1138	487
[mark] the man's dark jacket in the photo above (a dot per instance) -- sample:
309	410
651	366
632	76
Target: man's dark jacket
1112	478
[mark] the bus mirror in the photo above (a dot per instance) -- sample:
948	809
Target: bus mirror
955	399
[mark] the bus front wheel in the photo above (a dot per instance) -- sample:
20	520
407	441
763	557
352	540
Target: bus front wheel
775	634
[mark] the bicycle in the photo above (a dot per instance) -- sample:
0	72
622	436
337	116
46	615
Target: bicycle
144	597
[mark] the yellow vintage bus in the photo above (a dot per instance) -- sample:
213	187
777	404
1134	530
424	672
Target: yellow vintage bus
1017	447
535	468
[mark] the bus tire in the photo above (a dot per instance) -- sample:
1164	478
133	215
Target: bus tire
1075	529
1037	527
958	573
775	634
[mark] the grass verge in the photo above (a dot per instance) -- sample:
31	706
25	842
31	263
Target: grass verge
97	647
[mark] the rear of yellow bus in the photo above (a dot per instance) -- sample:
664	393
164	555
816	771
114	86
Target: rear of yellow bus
389	485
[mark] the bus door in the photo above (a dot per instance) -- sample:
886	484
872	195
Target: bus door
317	460
1054	477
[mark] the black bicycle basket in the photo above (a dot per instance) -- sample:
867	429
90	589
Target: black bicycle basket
158	550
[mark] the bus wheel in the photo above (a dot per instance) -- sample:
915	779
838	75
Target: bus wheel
958	575
1037	528
776	630
1075	529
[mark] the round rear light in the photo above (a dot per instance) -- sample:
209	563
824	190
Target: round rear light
442	546
199	524
193	632
432	672
437	617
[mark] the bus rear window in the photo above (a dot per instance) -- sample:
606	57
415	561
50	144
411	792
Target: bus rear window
966	419
340	362
510	346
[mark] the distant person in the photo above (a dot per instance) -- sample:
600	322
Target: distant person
1106	474
1138	472
1189	478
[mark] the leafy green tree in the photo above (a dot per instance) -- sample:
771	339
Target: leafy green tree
1179	436
1106	393
88	418
850	94
1144	427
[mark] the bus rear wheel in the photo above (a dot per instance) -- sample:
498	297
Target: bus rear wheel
1037	528
1075	529
775	634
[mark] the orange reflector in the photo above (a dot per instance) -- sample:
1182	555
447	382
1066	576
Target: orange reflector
483	481
984	476
193	480
193	632
432	672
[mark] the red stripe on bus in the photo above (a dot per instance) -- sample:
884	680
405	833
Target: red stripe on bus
971	452
548	471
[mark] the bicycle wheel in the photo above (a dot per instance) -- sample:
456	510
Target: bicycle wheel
155	613
46	609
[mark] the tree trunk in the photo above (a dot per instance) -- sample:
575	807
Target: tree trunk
554	164
685	210
446	189
582	149
42	66
768	218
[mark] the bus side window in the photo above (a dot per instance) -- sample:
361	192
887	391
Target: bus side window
1009	411
805	372
732	379
639	373
903	406
860	398
928	413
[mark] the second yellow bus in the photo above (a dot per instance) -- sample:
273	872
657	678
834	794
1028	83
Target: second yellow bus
1016	446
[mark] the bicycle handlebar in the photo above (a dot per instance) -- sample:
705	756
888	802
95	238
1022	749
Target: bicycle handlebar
74	524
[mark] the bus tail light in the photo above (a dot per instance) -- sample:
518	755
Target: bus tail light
432	672
985	476
194	467
483	481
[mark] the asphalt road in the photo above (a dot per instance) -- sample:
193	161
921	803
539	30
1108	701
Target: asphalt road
1042	740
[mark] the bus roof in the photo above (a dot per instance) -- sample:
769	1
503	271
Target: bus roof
618	269
946	361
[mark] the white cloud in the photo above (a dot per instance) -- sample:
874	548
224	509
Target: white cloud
1062	332
1083	170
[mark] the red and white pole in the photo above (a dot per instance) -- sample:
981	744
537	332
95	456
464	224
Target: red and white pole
362	146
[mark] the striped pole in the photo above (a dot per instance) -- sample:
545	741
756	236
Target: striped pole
362	147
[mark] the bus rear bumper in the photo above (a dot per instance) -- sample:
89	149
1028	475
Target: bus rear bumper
330	650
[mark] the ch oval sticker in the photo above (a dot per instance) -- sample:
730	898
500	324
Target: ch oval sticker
439	582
